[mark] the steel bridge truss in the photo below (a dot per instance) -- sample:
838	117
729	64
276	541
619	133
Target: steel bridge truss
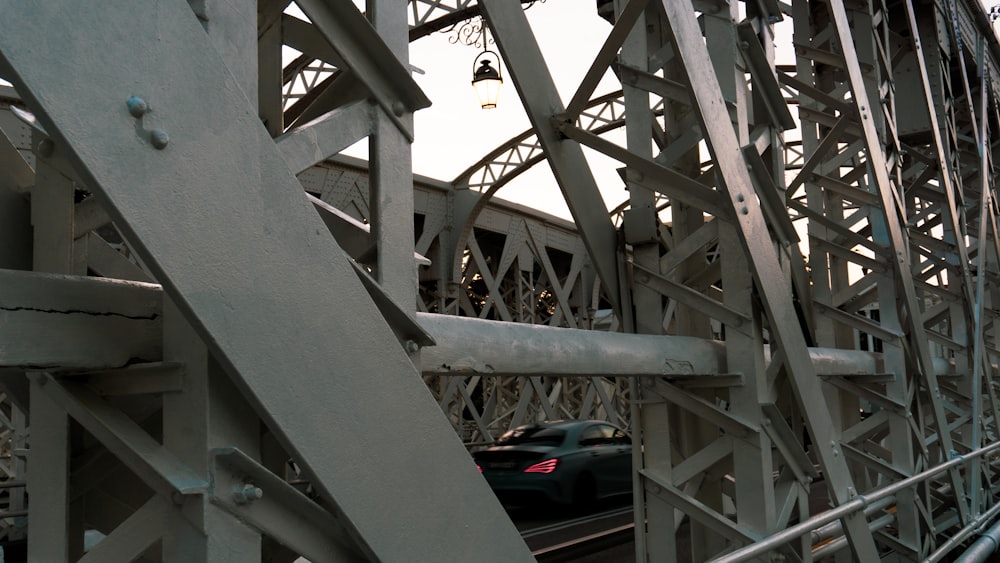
235	345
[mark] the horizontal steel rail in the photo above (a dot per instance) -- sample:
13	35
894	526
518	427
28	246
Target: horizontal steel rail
859	503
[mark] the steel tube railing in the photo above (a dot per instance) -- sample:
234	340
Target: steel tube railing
840	542
984	548
858	503
964	533
835	529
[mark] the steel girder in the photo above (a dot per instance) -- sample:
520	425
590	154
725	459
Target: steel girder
175	103
893	185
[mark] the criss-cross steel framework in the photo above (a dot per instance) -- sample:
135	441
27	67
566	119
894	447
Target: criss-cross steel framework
233	344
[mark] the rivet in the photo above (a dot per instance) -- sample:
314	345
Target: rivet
412	347
739	198
398	108
137	106
744	210
159	138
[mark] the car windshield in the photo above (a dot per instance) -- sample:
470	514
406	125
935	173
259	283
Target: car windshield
532	435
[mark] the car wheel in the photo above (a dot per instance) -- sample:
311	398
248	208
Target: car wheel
584	492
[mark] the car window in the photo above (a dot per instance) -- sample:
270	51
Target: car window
532	435
598	434
603	434
620	437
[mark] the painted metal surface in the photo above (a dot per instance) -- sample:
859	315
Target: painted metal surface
232	295
269	367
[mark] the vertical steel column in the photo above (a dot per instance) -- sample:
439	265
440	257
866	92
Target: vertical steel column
753	462
829	271
542	103
206	413
52	213
981	366
264	283
55	251
968	308
48	484
391	176
896	241
654	520
269	65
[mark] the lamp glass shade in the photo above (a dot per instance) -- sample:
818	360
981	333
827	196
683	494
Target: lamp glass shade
486	80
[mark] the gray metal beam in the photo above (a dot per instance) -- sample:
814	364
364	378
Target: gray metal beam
897	238
318	140
262	283
161	470
71	322
280	511
541	102
391	175
358	44
49	483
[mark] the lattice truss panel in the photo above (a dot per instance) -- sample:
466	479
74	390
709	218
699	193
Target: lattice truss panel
898	214
514	266
832	222
884	200
316	69
163	417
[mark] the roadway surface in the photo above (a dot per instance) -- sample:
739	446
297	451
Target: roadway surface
544	526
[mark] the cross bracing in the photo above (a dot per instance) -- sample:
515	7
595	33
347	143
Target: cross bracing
798	296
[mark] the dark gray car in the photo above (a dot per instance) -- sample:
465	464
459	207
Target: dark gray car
566	461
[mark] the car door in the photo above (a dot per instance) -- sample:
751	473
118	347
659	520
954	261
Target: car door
604	457
620	462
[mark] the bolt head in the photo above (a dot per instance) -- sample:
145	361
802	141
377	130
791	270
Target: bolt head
137	106
247	493
159	138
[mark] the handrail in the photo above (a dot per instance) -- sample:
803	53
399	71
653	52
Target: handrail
848	508
964	533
